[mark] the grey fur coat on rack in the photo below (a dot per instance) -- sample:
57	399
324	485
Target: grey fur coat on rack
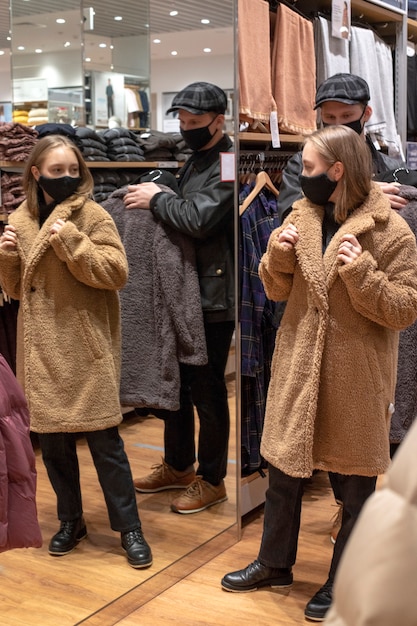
406	389
162	320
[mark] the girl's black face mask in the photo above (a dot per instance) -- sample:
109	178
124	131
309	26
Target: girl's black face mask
318	189
59	188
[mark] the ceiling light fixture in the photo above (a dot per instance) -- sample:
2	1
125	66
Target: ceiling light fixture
38	51
60	20
205	21
207	50
156	41
173	13
102	45
118	18
174	53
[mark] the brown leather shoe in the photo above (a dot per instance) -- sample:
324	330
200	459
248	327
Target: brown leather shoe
199	496
164	477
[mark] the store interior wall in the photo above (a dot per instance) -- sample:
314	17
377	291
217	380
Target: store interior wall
171	75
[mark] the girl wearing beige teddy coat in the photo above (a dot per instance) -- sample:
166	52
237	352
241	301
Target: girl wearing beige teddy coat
346	264
62	257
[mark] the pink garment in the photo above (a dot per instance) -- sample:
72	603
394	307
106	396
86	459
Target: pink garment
255	89
294	72
19	527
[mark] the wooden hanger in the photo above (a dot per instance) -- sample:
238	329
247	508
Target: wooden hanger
262	181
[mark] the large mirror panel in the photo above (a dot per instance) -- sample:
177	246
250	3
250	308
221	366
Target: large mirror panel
61	71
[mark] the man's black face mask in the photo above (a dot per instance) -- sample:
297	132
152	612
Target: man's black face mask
356	125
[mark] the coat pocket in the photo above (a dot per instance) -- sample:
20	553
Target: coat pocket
90	336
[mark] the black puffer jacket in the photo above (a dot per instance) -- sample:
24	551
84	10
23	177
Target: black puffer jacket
290	190
204	211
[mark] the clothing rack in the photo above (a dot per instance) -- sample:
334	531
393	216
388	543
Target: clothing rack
268	160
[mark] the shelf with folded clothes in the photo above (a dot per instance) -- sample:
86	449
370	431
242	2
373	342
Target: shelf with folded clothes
133	164
18	166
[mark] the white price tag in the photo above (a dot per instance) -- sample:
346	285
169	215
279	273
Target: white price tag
227	167
273	123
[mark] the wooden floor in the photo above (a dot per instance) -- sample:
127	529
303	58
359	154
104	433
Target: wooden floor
198	600
94	585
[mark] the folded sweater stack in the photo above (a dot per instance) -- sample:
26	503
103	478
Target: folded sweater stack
91	144
16	141
122	145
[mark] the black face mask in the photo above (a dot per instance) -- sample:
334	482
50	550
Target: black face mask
356	125
59	188
197	138
318	189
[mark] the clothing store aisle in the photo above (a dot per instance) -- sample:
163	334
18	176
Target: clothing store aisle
40	590
198	599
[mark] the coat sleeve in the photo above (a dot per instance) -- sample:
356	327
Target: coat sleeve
10	273
201	212
384	289
96	258
276	268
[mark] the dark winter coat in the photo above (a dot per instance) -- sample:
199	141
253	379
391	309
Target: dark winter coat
205	212
19	526
290	189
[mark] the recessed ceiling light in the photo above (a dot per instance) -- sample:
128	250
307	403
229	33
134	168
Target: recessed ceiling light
174	53
1	52
156	41
102	45
173	13
60	20
205	21
87	59
206	49
20	47
118	18
67	44
38	51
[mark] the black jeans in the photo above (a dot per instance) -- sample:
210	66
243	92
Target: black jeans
282	516
205	387
107	450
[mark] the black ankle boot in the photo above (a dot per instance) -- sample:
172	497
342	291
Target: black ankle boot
67	537
137	549
320	603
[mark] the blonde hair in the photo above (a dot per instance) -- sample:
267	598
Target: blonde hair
341	143
36	158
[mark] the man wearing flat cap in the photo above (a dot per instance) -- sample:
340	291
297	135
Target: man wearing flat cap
342	99
203	209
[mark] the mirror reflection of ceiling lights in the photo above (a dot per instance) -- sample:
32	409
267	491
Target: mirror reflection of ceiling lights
177	28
